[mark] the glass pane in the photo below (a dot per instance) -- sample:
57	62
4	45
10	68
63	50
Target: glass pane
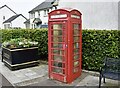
57	70
76	32
76	51
57	26
76	56
57	64
76	45
75	70
57	45
57	39
76	26
76	39
76	63
57	33
57	58
61	52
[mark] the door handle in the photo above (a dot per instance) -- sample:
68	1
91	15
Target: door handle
65	46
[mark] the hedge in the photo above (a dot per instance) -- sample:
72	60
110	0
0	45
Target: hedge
96	44
39	35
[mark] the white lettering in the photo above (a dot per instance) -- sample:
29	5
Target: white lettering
75	16
59	16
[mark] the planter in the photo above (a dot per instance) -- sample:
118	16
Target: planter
20	58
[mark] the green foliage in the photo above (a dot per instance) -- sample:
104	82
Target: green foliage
19	43
96	44
38	35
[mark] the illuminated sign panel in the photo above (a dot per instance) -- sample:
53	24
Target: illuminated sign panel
75	16
59	16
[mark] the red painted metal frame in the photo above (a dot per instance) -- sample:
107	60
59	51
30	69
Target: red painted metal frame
68	21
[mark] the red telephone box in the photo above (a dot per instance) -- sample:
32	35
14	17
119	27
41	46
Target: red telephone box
65	44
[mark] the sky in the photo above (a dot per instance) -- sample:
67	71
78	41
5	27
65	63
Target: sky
24	6
21	6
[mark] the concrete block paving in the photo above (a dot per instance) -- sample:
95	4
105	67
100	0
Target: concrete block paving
22	75
38	76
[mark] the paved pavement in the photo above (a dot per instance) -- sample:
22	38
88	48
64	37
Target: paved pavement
38	76
0	80
4	82
0	50
22	75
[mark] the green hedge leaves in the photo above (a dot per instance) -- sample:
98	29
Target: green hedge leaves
96	44
39	35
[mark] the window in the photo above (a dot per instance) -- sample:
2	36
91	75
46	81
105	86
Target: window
45	23
6	26
45	13
76	49
32	15
47	10
39	14
32	26
51	8
3	17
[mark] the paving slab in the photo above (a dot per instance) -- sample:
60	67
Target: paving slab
0	50
4	82
22	75
89	81
45	81
94	81
84	81
0	80
38	76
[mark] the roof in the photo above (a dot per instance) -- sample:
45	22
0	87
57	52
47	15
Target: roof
8	8
13	18
66	9
27	21
44	5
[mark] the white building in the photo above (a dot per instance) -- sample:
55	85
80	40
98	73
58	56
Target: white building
39	15
96	14
5	13
10	19
16	22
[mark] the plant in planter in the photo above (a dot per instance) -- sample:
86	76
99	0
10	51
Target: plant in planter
19	53
19	43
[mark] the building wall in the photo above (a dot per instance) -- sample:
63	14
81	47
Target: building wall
19	22
96	15
7	13
42	16
119	15
27	26
7	25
